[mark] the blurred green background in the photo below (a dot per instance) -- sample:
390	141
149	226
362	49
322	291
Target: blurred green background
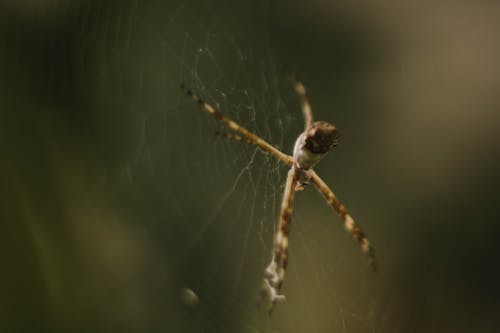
122	211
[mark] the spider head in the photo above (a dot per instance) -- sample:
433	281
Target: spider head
321	137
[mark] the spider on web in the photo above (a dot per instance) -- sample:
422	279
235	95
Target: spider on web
317	139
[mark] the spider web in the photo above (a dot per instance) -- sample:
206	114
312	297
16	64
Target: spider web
158	222
219	199
189	252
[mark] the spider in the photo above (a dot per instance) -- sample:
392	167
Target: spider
317	139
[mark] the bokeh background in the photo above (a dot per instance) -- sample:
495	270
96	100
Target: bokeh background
122	211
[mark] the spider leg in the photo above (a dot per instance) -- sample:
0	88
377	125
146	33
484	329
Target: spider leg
306	105
245	134
349	223
275	272
235	137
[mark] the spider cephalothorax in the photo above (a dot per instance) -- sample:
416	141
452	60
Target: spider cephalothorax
310	147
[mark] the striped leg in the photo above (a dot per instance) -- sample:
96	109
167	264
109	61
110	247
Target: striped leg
243	132
235	137
349	223
306	106
275	272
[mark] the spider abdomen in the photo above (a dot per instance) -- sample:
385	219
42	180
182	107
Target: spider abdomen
314	143
303	158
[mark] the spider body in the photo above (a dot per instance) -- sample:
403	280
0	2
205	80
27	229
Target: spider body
313	144
310	147
317	139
